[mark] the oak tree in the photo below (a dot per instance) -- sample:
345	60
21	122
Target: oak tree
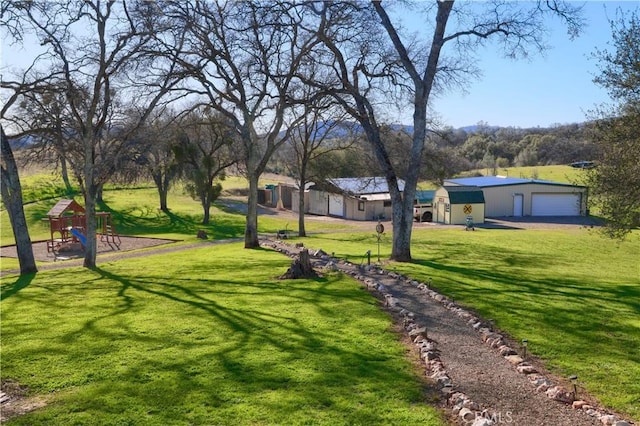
405	67
98	52
615	182
240	60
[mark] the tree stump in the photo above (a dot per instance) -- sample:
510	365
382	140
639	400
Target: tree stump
300	267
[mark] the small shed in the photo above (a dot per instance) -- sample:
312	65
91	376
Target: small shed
453	204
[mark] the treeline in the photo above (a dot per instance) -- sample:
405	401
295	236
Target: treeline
451	151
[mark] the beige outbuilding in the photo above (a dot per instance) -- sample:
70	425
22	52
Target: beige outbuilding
506	196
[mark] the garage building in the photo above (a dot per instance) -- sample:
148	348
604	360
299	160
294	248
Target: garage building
506	196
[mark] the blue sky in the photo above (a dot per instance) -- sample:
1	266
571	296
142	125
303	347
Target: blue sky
542	91
556	88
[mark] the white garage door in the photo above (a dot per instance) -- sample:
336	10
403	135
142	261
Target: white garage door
336	205
555	205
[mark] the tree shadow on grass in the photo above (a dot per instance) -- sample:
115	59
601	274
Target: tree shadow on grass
510	278
22	282
146	221
286	344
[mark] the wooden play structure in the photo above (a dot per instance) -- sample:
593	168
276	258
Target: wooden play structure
68	225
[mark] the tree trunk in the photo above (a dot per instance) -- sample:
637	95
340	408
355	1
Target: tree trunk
251	229
91	192
303	178
402	227
12	198
204	201
162	192
301	230
99	191
300	267
65	176
163	189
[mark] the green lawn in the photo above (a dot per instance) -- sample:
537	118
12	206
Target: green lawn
204	342
557	173
574	295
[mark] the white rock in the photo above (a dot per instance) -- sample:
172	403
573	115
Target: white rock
506	350
471	405
607	420
543	387
560	394
514	359
579	404
466	414
526	369
481	421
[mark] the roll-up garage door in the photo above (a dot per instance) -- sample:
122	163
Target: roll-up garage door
336	205
555	205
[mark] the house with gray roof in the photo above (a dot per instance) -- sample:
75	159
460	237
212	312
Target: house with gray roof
361	198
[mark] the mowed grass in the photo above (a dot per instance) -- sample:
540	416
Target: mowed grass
556	173
192	338
572	294
135	212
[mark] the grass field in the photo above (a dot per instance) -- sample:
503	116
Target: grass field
557	173
205	342
574	295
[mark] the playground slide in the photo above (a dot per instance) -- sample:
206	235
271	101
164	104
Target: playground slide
79	236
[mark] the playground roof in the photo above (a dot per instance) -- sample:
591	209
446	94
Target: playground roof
63	206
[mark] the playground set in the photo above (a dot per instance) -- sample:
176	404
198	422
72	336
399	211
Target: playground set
68	224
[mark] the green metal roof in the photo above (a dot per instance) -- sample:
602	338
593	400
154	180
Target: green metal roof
465	195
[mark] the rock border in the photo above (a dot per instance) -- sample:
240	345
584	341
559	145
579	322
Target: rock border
461	404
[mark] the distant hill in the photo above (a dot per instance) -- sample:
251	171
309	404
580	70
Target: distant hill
22	142
332	129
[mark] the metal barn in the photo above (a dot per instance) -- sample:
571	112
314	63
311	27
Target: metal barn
506	196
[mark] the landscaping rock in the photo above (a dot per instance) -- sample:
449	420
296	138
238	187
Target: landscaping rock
466	414
506	350
526	369
481	421
579	404
514	359
560	394
608	420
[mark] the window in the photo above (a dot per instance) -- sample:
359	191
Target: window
361	206
387	203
